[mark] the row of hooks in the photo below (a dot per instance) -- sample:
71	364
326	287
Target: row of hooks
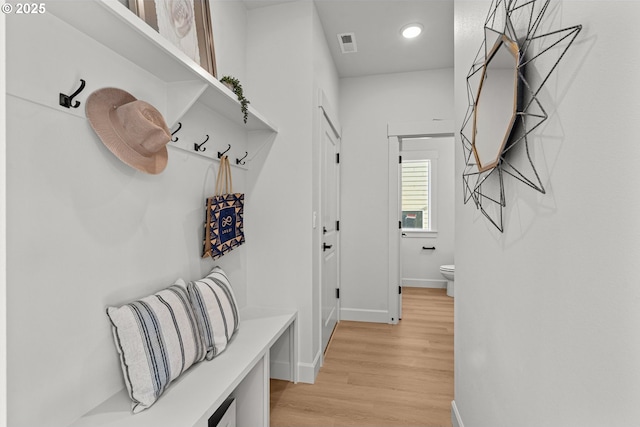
200	147
67	102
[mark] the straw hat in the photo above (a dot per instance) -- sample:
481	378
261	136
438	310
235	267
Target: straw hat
133	130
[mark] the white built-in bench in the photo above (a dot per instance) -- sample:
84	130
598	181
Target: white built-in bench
241	371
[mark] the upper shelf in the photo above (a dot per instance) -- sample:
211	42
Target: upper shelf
115	26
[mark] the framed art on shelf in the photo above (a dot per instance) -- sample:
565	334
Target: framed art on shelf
184	23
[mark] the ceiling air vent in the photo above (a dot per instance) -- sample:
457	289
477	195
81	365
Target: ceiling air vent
347	42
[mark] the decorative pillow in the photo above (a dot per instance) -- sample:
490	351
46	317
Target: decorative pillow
216	310
157	338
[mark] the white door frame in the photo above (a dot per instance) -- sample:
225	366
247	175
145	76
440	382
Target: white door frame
395	132
327	111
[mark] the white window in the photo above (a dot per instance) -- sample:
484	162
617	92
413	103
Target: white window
416	203
418	185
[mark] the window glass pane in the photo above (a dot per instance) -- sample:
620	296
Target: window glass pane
415	194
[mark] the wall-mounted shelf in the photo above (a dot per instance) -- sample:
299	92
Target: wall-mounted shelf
115	26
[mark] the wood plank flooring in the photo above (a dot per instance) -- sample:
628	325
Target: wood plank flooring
380	375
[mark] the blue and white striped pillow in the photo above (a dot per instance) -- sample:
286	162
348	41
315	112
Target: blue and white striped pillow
157	338
216	310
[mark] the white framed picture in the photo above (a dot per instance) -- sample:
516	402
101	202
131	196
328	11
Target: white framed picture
185	23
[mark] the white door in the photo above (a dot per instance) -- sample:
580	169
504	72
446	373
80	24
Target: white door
330	239
395	231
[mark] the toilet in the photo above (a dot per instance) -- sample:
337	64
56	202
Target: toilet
447	271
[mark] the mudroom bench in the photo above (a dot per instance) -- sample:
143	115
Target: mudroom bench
241	371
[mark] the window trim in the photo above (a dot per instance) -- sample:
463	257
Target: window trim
412	153
412	233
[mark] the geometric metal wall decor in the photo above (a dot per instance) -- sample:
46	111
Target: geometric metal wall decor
504	108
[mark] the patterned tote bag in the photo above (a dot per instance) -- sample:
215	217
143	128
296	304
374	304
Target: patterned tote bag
224	229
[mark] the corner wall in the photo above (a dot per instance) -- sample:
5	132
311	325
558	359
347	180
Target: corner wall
546	314
367	106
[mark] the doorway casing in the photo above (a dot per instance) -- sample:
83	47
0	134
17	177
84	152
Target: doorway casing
326	223
395	133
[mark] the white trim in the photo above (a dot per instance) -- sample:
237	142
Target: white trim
307	372
332	119
424	283
433	128
395	132
293	351
431	156
323	103
360	315
456	420
3	230
393	243
412	233
418	153
266	389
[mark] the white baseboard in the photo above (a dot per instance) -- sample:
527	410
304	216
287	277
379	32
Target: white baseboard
307	372
280	370
456	420
424	283
359	315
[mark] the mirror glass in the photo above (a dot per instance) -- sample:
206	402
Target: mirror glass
496	103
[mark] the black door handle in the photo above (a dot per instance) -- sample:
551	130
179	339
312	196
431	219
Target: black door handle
325	247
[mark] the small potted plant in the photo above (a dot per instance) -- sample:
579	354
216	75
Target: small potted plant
235	86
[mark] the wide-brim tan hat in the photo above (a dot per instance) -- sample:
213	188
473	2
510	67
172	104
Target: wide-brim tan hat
133	130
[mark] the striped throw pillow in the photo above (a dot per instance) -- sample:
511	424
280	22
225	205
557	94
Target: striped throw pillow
216	310
157	338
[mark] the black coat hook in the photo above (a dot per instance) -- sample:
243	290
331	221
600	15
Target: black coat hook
222	154
176	131
240	161
65	100
197	147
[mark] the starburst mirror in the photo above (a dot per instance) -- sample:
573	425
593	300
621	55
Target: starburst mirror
504	108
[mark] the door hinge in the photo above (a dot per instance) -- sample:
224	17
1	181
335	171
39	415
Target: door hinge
337	225
399	159
338	293
400	290
400	225
337	157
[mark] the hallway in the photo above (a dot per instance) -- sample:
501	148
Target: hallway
378	374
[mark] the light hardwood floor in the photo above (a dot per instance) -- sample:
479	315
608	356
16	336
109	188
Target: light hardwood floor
380	375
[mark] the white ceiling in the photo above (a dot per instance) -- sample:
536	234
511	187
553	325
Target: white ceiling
377	24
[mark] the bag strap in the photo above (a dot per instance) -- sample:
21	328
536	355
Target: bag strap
229	177
224	182
219	179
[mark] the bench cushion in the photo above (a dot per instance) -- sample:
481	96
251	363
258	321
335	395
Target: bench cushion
157	338
216	309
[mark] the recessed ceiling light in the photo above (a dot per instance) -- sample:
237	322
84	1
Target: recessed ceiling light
412	30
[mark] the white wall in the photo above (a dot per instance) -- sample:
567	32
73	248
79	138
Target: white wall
325	81
367	106
420	267
229	22
85	231
3	234
286	64
546	327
